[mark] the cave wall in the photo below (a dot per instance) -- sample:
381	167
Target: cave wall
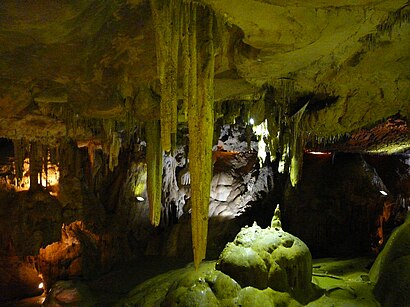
100	218
338	209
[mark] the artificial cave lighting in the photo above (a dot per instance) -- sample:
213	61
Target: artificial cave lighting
319	153
48	179
166	132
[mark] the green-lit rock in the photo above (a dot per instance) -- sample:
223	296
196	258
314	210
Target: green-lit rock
268	257
391	270
204	287
254	297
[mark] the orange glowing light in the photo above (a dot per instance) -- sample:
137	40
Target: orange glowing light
49	180
325	153
41	285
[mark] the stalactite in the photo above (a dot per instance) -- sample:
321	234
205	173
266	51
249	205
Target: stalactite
35	165
19	155
186	58
196	39
154	170
53	155
200	124
297	146
91	153
273	115
45	164
130	121
166	17
114	150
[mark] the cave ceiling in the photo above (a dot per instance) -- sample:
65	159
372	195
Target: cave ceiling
349	59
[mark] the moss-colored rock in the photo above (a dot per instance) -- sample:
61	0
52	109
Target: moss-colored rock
391	270
244	265
268	257
250	296
204	287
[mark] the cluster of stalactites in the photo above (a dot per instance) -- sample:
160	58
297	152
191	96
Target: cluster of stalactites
20	148
98	131
39	155
166	16
278	133
177	26
113	140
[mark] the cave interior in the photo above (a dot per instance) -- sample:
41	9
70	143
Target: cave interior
141	136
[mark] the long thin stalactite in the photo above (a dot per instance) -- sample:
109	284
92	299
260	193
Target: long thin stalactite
200	124
176	25
166	16
154	170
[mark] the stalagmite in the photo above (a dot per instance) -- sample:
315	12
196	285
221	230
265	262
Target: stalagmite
19	155
154	170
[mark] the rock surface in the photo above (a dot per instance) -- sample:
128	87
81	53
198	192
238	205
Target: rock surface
205	287
268	257
69	293
92	57
391	271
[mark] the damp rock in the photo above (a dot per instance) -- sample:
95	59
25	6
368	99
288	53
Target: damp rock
69	293
270	257
202	287
391	270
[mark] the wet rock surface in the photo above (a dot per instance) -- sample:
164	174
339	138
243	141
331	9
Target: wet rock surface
391	271
206	286
268	257
69	293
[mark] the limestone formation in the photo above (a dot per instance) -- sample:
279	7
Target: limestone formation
70	293
270	257
99	87
391	270
203	287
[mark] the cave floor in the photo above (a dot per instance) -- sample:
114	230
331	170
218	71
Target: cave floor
345	281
